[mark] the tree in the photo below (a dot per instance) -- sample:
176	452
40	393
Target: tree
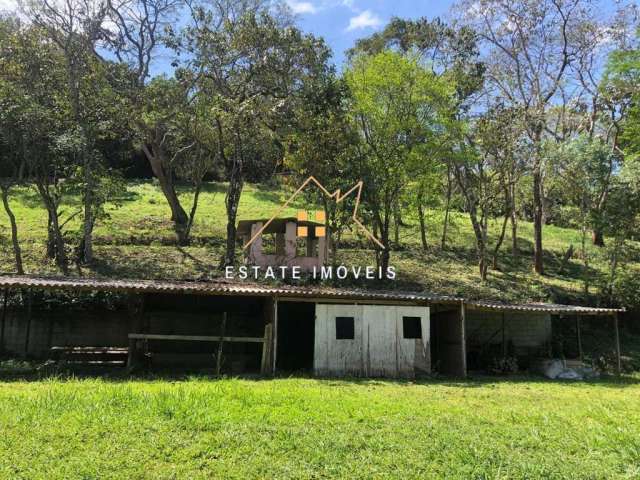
77	28
143	27
531	49
323	144
448	51
486	168
31	76
252	65
587	168
400	110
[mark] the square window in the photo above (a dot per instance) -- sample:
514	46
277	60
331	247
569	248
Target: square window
345	328
320	232
302	231
411	327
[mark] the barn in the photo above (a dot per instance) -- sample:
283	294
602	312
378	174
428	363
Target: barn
239	328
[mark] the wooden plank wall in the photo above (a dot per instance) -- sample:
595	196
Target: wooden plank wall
378	348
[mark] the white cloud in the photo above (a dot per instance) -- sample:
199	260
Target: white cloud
8	5
366	19
300	7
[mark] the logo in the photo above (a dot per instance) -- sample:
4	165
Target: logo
302	215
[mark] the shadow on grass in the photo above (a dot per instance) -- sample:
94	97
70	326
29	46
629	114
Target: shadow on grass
121	375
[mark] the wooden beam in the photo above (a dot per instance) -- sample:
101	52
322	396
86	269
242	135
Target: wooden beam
463	321
275	335
29	315
265	366
4	319
617	333
195	338
132	354
221	343
359	301
579	335
504	336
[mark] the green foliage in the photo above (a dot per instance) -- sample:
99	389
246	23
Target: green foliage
403	113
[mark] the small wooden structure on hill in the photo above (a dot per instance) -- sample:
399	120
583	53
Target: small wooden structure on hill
289	241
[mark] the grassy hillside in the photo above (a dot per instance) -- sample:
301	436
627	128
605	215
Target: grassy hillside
299	428
137	241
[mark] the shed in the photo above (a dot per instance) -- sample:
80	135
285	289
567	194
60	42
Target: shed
240	328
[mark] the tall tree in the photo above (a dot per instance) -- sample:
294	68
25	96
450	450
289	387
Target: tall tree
252	65
449	51
76	27
531	50
323	144
400	110
143	29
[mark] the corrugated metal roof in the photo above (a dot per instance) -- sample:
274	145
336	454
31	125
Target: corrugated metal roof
553	308
214	288
309	292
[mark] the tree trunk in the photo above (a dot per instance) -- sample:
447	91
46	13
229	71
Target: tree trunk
51	237
86	253
514	220
54	226
423	228
538	212
598	237
445	226
396	225
17	253
194	209
156	157
385	227
500	240
232	200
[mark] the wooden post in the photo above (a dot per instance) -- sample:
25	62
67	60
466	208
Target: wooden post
504	339
4	319
275	335
579	335
131	354
617	332
221	343
29	315
265	366
463	335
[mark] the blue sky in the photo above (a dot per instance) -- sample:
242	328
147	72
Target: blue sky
342	22
339	22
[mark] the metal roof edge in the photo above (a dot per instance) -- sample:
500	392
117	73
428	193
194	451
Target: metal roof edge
309	292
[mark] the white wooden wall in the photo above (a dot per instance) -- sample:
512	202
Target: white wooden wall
378	349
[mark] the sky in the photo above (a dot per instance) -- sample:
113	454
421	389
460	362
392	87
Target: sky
342	22
339	22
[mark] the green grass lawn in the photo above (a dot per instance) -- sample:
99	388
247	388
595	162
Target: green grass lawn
303	428
137	241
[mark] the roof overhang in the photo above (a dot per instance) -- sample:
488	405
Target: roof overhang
285	293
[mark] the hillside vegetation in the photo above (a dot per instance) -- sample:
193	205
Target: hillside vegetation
137	241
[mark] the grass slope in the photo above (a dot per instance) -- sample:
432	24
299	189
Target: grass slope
137	241
299	428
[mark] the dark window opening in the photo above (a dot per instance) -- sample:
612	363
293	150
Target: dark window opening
269	244
301	247
412	327
345	329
